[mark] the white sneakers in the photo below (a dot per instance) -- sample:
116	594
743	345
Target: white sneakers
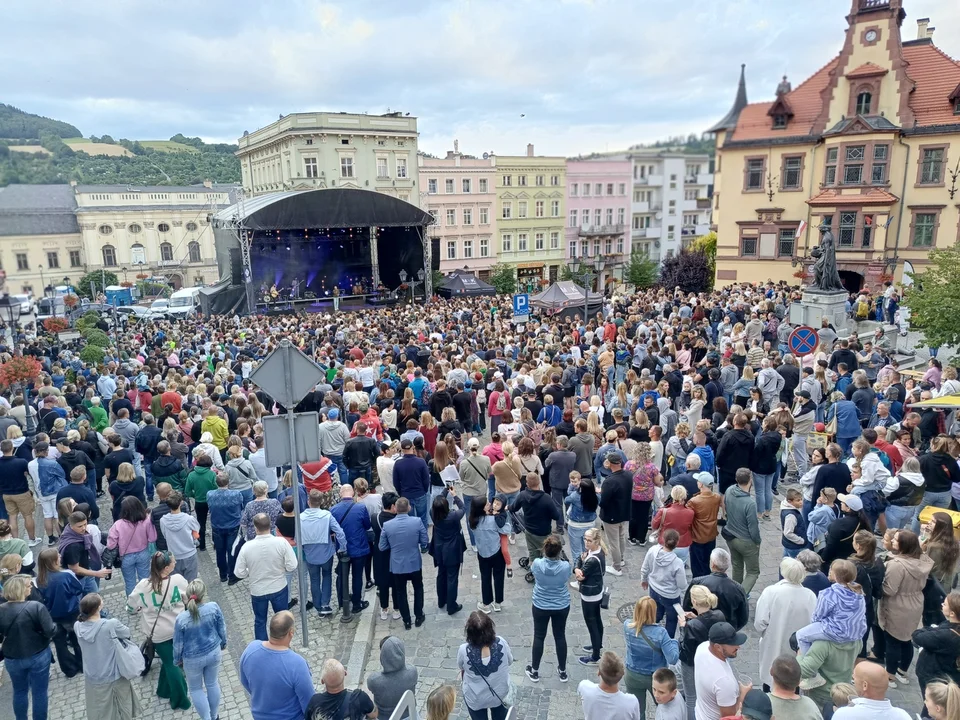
486	609
574	584
613	571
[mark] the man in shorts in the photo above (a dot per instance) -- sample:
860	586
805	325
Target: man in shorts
17	498
48	478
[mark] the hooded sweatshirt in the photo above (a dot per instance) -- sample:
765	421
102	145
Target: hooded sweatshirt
128	431
200	481
909	490
842	613
178	529
167	468
663	570
395	679
242	474
550	590
99	649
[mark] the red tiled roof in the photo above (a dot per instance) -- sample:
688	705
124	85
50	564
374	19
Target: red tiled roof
867	70
872	196
755	124
936	75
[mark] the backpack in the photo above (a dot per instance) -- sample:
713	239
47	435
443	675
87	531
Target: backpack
502	401
863	309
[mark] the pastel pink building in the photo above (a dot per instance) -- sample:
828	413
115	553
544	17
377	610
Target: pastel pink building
598	214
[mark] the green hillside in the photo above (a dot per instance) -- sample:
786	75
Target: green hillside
15	124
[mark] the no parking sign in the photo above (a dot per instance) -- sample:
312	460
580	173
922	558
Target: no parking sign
803	341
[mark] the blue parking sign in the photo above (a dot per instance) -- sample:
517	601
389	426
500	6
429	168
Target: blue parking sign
521	304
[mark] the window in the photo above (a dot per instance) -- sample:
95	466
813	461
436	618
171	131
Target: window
538	208
138	255
468	248
864	101
344	141
522	209
866	234
539	181
22	262
598	217
310	141
620	216
448	186
586	189
484	219
451	249
538	241
608	246
622	189
609	188
931	166
830	175
672	207
786	240
432	186
522	180
620	244
521	242
506	243
400	143
853	165
748	246
401	167
754	174
134	229
881	154
163	227
554	240
689	194
191	227
555	180
382	171
310	167
193	250
956	106
924	229
790	174
468	216
779	121
689	220
573	218
598	189
848	228
483	185
75	258
105	229
507	180
465	184
108	252
574	189
346	167
555	208
53	260
609	216
484	247
584	249
451	216
507	211
166	252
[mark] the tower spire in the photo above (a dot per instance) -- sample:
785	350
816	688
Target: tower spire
730	120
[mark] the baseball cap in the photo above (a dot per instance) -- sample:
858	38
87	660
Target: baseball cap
703	477
851	501
723	633
757	705
614	459
333	414
803	394
406	443
473	443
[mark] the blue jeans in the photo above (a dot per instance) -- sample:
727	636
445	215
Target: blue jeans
420	507
280	600
576	541
937	499
362	472
30	675
791	552
148	476
683	554
763	487
247	496
468	500
845	443
898	516
665	607
90	584
435	492
807	508
341	468
223	545
321	583
92	481
135	567
203	683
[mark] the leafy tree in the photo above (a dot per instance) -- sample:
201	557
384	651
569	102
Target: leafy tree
565	272
92	355
690	271
20	125
95	336
933	291
108	140
437	279
94	282
642	272
503	278
707	244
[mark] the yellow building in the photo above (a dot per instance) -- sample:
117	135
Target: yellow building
530	220
868	145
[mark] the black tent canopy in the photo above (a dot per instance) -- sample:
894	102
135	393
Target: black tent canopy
461	284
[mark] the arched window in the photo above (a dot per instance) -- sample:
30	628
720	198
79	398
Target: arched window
163	227
191	227
166	252
105	229
194	250
864	100
109	256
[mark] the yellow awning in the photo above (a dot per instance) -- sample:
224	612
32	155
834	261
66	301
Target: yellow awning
947	402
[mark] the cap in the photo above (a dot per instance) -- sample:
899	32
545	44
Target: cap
851	501
757	705
406	443
819	427
333	414
223	397
473	443
723	633
803	394
614	459
703	477
384	446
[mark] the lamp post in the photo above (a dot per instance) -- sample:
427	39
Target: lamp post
584	272
420	277
124	271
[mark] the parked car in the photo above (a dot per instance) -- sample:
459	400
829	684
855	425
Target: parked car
50	307
133	313
27	305
158	308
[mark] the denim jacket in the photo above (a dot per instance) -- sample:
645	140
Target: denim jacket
196	638
643	657
577	513
51	476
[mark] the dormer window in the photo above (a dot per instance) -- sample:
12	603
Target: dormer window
864	101
956	106
779	122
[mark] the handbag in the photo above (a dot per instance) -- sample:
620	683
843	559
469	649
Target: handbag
508	699
605	599
109	557
147	649
130	660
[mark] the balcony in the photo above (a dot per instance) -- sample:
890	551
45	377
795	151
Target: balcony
703	203
641	181
641	207
656	180
640	232
169	263
601	230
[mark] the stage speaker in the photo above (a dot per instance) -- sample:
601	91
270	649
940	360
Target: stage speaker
236	267
435	253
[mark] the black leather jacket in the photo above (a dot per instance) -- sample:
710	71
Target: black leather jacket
26	628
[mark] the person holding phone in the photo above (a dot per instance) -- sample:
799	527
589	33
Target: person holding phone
447	546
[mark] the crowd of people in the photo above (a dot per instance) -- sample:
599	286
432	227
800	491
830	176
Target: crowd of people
658	435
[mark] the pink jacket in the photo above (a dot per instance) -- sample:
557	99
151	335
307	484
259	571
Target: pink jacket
129	538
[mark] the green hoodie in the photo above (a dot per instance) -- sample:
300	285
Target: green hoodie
741	510
199	482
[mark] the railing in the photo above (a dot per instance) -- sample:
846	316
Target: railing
602	229
703	203
408	704
641	180
640	232
168	263
872	4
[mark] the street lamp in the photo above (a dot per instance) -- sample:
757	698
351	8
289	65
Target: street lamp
583	271
124	270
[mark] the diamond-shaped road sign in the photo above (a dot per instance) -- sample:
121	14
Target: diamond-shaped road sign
287	374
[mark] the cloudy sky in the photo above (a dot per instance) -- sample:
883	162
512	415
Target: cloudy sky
571	76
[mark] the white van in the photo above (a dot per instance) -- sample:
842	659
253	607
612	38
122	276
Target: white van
184	303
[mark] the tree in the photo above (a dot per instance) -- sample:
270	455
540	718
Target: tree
92	355
642	272
94	282
503	278
565	273
933	291
707	244
95	336
437	279
690	271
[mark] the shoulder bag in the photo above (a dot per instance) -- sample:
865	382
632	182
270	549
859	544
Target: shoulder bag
147	649
130	660
509	698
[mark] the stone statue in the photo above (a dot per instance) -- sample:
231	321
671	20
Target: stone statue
825	275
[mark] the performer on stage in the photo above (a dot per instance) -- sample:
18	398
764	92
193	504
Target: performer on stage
336	299
295	290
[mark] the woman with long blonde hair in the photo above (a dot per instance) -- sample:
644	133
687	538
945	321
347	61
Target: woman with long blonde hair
199	635
429	429
589	570
647	645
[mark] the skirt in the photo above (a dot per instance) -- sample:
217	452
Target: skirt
118	700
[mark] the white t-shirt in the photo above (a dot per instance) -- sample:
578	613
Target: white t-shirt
717	686
600	705
676	709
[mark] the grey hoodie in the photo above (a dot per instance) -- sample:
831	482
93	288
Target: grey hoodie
178	529
663	571
128	431
396	678
99	649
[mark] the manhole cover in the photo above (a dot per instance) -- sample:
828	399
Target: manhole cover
625	612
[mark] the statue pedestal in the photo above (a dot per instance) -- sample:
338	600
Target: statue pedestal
815	305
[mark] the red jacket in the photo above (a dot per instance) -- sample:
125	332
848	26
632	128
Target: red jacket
146	398
675	517
316	475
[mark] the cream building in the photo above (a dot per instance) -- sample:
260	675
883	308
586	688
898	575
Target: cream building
531	216
868	145
460	192
309	151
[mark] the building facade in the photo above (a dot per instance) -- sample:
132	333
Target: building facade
460	192
671	200
531	216
598	214
308	151
866	146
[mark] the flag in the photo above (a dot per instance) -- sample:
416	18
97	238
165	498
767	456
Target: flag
800	229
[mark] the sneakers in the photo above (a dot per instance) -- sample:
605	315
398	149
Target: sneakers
534	675
613	571
634	542
588	648
396	614
293	603
326	611
486	609
812	682
51	539
34	542
384	615
587	660
562	674
574	584
513	540
891	684
497	607
902	678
